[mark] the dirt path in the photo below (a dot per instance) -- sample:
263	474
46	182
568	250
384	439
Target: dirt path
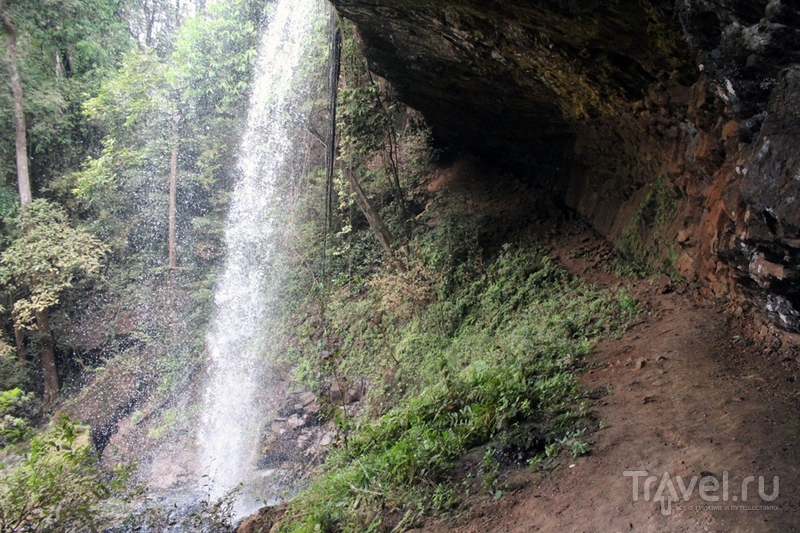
689	391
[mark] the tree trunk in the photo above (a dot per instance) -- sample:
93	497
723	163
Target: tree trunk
173	192
19	339
149	18
335	39
375	221
23	178
48	357
19	335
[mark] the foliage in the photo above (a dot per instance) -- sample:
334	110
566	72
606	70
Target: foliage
464	344
46	259
448	373
66	48
184	87
195	97
12	371
19	412
56	487
363	120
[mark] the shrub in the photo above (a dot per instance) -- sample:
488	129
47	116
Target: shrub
19	412
57	487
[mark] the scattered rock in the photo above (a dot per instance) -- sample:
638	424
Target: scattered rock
263	521
295	421
353	395
765	272
307	398
662	284
336	396
326	439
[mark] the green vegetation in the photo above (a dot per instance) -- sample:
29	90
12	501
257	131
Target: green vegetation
448	374
19	412
106	276
45	260
458	339
643	243
456	346
57	486
112	91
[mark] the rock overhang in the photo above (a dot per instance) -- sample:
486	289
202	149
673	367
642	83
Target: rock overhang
602	98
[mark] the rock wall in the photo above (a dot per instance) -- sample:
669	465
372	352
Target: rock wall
674	127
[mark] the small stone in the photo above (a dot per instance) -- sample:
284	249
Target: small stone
640	363
764	271
307	397
685	264
353	395
335	393
730	130
663	284
295	421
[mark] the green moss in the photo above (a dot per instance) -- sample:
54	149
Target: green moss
643	244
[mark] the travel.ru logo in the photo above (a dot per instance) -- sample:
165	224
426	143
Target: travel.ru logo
708	487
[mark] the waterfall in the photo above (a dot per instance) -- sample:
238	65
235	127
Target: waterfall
228	433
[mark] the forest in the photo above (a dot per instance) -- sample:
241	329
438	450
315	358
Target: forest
274	265
120	128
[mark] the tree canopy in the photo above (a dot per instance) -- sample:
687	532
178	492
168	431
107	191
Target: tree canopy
46	259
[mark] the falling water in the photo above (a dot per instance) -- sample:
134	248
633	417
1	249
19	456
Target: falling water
236	343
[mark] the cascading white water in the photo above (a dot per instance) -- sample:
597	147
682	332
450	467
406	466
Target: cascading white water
229	425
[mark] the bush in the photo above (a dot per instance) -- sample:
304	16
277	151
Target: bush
13	373
19	412
57	487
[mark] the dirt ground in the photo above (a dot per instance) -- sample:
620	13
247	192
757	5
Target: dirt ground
694	388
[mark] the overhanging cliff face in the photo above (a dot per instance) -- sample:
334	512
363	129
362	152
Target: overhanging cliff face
612	103
505	77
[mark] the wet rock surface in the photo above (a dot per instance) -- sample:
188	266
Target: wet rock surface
298	438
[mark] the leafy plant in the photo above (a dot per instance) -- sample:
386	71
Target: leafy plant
19	412
46	259
579	448
551	450
57	487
